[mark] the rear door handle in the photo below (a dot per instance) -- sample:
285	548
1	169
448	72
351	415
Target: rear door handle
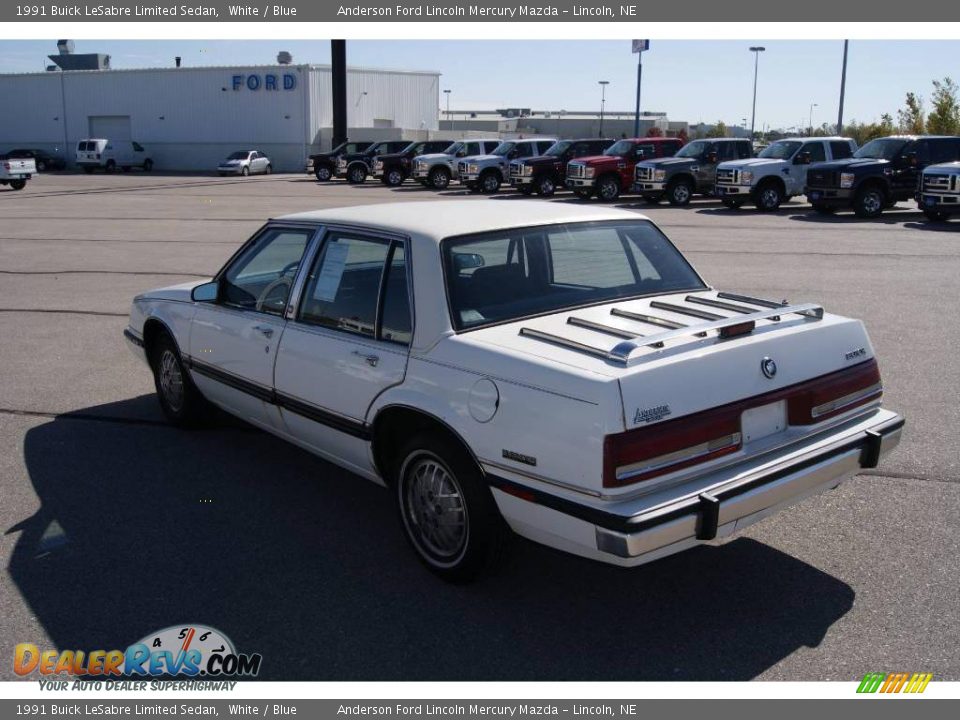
371	360
266	330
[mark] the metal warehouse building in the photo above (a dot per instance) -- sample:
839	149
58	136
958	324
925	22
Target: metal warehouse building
190	118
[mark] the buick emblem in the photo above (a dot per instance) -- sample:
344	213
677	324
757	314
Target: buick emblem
769	367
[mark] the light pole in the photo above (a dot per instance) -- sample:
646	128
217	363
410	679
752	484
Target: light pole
447	93
812	106
756	50
603	101
843	87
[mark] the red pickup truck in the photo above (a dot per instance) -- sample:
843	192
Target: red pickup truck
611	173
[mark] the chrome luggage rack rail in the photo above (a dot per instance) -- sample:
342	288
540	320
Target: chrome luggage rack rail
726	327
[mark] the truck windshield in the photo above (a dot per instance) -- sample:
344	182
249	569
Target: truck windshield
506	275
503	148
619	148
882	149
558	148
453	149
782	150
238	156
696	149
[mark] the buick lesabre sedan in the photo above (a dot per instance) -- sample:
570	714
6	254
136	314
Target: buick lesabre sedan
558	371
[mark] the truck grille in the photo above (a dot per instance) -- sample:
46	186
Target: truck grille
516	169
575	170
728	177
939	183
823	178
644	174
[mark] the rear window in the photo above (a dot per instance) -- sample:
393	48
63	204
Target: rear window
507	275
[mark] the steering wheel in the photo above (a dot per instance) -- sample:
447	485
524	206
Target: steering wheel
284	280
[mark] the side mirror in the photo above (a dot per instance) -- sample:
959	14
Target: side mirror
207	292
713	158
468	261
802	158
461	153
911	158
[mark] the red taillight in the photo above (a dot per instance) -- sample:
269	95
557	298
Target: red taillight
644	453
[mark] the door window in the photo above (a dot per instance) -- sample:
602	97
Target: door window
137	147
840	150
261	277
744	151
817	153
725	151
395	325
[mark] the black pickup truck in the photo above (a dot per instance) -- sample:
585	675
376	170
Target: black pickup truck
544	174
324	165
879	175
393	168
356	166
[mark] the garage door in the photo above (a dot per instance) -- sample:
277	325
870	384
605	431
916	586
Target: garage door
111	127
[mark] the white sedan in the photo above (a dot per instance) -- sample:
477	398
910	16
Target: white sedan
245	162
557	370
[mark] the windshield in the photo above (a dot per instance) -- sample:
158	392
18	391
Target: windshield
883	149
695	149
453	149
621	147
503	148
238	156
782	150
558	148
510	274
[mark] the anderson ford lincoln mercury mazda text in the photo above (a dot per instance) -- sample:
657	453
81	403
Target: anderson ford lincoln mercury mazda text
559	370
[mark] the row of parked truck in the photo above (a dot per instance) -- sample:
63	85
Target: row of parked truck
832	172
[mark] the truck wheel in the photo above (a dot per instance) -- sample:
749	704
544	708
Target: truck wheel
111	166
935	215
768	197
439	178
357	175
823	209
868	202
546	186
393	177
88	169
41	166
244	171
583	194
490	182
679	192
608	188
179	398
448	514
652	199
18	184
147	165
322	173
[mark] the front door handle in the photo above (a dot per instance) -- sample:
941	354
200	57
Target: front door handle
266	330
371	360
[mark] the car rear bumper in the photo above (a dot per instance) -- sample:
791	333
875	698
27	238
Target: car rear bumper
633	532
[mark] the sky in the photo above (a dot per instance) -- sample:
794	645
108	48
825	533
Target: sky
696	81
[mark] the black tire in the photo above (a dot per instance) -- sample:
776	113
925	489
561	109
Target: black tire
41	166
357	175
545	186
732	204
653	199
608	188
323	173
583	194
456	552
935	215
183	409
18	184
88	169
490	182
822	209
147	165
768	197
111	166
244	171
439	178
393	177
868	202
679	192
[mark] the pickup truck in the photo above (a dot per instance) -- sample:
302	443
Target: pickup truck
436	170
556	370
15	172
880	174
486	173
544	174
355	167
393	168
610	173
938	193
778	173
323	166
692	171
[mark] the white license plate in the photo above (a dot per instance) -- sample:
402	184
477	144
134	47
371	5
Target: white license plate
760	422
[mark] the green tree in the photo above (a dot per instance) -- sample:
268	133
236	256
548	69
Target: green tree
718	131
911	117
944	118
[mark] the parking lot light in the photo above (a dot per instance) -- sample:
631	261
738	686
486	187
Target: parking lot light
756	50
603	101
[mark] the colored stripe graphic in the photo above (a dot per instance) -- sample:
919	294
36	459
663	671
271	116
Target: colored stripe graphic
894	683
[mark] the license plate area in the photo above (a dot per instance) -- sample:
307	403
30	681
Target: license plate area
761	422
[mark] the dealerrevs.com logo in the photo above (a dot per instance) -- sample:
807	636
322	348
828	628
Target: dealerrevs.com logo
911	683
181	650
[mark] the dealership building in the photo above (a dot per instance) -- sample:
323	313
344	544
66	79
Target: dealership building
189	118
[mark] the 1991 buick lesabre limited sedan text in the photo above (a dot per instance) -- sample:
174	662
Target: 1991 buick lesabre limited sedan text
558	371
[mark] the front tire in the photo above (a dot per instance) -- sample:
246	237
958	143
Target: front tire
323	173
179	398
244	171
679	193
439	178
393	178
448	513
357	175
608	188
546	187
490	182
869	202
768	197
18	184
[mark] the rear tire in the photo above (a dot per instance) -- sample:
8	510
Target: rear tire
868	203
269	170
179	398
41	166
447	512
111	166
679	193
18	184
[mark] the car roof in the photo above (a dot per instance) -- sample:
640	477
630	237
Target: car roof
808	138
438	219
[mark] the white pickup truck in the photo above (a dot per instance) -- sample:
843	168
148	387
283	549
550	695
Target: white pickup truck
554	369
16	172
778	173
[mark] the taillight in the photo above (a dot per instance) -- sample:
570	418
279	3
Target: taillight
645	453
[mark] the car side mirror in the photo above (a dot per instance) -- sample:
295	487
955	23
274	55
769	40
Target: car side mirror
713	158
461	153
468	261
911	159
802	158
207	292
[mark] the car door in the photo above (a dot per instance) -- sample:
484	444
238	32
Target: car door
347	344
233	341
798	172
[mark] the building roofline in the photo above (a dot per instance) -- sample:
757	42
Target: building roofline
275	66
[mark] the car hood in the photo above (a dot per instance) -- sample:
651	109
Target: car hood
753	163
433	157
541	160
673	162
392	156
176	293
850	164
478	159
598	159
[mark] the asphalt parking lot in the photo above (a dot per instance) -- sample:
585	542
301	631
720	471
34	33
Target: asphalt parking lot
115	525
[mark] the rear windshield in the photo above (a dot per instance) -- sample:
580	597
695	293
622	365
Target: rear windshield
507	275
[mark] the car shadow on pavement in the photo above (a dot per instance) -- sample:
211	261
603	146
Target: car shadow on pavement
889	217
143	526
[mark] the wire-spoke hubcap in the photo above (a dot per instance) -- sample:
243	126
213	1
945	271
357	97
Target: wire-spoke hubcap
171	380
435	512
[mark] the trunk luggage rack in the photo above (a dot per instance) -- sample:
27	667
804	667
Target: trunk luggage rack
727	327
